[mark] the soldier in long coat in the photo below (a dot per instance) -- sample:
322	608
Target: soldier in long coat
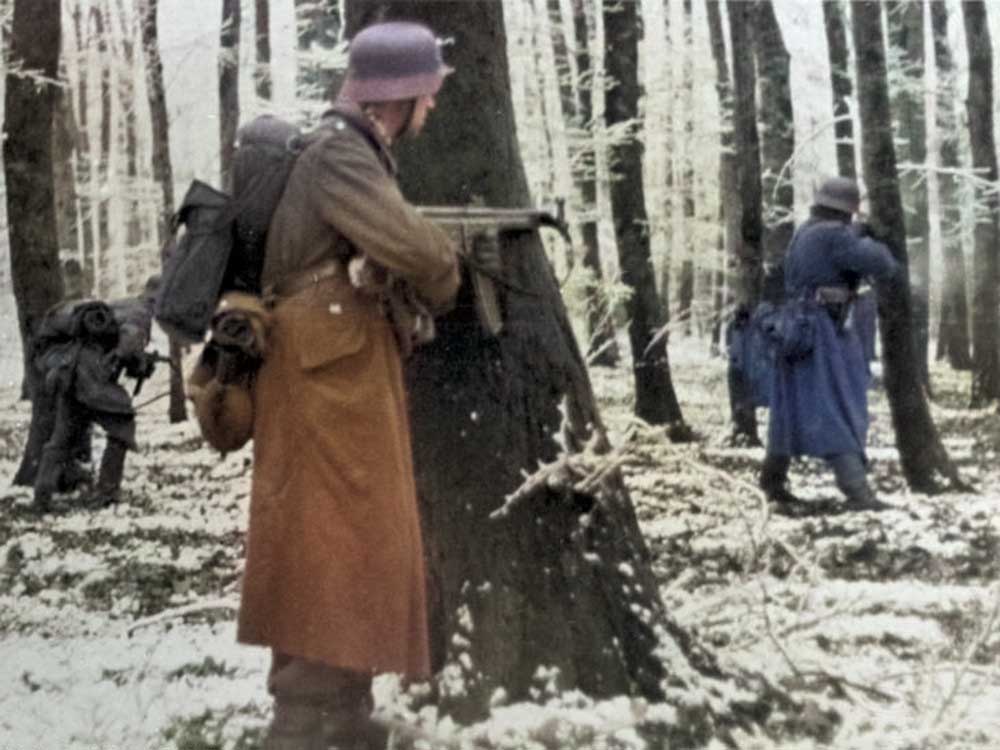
335	581
819	401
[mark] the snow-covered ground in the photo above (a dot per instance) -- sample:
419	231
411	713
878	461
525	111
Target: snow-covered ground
116	626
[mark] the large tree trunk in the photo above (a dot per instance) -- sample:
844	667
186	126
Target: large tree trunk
979	105
229	89
906	34
30	103
64	155
777	146
602	347
512	590
840	83
921	452
655	399
163	175
749	246
953	332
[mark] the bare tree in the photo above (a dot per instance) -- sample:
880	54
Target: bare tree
30	102
602	349
229	89
163	175
840	83
262	39
906	34
953	333
922	455
749	246
979	106
84	167
318	29
777	145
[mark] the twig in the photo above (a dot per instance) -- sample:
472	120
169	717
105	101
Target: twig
187	609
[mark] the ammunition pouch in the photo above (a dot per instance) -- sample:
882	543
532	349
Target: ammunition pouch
836	300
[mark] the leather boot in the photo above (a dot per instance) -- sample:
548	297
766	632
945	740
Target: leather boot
774	480
109	477
295	726
47	479
861	498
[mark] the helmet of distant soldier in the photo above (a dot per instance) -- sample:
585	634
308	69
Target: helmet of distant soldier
393	61
840	194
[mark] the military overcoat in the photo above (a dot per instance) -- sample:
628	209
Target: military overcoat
335	569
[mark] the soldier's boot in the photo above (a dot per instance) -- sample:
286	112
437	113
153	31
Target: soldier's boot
109	476
774	479
295	726
73	475
50	469
849	470
352	728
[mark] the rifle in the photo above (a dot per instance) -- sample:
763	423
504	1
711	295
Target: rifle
154	357
470	220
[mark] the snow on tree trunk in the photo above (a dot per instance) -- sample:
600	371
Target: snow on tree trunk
953	333
840	84
262	44
777	146
906	35
163	176
602	347
979	106
923	457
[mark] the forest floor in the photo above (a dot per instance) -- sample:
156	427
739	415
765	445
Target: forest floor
117	626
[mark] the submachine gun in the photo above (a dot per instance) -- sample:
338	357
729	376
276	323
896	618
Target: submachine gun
465	223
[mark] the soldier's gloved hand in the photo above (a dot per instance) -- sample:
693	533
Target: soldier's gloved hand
484	253
144	365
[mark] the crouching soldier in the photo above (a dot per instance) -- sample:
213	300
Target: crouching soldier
82	350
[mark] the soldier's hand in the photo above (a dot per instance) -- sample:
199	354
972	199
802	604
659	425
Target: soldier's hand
484	254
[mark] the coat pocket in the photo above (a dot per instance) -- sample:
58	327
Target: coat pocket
326	334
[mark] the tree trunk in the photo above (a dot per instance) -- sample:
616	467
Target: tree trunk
906	34
30	108
229	88
84	168
729	198
502	580
655	399
127	104
979	106
749	245
65	138
777	146
163	176
921	452
602	346
101	189
30	102
318	23
262	71
840	82
953	333
685	283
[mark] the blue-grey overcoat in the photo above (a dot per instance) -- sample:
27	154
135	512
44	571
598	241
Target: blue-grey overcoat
819	404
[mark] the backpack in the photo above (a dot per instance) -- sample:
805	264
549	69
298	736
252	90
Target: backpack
218	240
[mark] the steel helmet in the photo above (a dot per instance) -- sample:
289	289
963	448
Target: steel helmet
393	61
839	193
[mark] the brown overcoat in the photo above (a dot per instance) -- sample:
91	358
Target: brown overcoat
335	570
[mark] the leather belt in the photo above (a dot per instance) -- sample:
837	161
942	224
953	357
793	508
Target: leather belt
294	283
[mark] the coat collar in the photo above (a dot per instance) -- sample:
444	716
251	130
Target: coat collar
352	114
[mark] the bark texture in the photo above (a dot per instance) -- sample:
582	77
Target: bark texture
922	455
841	85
